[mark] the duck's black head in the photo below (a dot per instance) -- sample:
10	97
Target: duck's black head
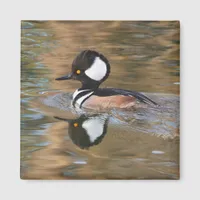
90	68
87	131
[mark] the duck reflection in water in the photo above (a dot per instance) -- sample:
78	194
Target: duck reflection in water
87	131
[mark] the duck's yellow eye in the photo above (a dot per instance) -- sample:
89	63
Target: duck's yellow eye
78	71
75	124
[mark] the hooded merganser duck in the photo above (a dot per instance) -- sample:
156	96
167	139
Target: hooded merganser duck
91	69
87	131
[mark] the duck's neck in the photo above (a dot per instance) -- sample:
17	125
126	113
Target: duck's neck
90	86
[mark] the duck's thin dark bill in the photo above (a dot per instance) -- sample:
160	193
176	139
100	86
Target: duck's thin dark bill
67	77
63	119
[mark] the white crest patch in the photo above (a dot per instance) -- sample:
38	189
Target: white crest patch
94	127
98	70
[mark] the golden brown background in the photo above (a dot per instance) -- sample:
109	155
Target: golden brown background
144	57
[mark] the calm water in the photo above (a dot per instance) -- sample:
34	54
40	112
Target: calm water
136	144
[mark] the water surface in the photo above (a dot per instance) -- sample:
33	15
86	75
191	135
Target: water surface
136	144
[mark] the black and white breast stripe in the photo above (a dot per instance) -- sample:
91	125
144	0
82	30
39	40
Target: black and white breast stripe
80	96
